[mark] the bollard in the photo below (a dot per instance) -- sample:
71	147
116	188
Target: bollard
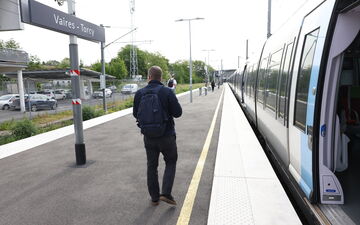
206	91
199	91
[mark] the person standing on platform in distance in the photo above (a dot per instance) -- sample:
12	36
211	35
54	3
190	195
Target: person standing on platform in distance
212	85
172	83
155	107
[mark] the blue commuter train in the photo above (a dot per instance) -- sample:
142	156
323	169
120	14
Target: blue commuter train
302	93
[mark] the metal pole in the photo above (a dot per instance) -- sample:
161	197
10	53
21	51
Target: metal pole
247	49
207	70
220	76
190	64
80	151
102	76
208	65
269	19
29	102
21	90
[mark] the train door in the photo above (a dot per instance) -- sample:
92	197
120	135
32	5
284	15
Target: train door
303	94
339	143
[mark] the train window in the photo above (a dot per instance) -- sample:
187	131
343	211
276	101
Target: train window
283	95
245	80
261	80
272	80
247	84
250	81
303	82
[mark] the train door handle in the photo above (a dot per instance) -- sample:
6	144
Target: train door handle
309	131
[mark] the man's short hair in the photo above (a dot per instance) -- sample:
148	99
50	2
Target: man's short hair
155	73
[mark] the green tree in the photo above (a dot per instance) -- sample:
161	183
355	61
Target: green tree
65	63
96	66
52	63
157	59
199	71
34	63
145	60
11	44
181	70
117	68
124	54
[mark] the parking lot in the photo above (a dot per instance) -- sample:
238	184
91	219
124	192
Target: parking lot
63	105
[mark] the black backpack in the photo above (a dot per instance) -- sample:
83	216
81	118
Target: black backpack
171	83
151	116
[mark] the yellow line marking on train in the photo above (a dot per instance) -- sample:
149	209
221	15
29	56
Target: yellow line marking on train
187	207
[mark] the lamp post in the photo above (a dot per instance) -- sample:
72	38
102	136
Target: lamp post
102	77
208	63
269	19
190	60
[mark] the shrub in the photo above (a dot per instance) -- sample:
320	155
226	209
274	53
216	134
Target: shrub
99	112
7	125
88	112
129	103
23	129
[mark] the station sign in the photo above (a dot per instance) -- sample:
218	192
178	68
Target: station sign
10	15
41	15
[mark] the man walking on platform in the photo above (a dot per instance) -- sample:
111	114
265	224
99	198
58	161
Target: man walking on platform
172	83
212	85
154	108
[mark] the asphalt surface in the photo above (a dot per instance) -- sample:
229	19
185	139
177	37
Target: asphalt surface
43	186
63	105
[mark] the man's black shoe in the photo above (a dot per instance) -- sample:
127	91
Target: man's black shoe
155	203
168	199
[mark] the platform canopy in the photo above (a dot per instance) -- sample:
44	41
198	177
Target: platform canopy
12	60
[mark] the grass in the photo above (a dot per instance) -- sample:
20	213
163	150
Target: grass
180	88
50	118
7	125
48	122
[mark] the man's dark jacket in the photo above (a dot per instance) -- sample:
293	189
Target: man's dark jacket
168	101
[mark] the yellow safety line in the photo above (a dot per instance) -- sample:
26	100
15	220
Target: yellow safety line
186	209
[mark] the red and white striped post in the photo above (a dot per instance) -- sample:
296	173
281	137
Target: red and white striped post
80	152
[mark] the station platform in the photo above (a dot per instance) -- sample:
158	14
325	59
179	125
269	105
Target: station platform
245	188
217	180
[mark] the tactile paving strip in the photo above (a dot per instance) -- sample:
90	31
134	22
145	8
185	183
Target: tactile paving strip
231	202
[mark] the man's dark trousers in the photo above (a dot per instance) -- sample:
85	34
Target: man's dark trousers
167	146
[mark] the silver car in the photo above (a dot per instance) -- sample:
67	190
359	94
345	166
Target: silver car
6	100
129	89
99	93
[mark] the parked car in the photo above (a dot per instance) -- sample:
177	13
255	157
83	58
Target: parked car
37	101
99	93
48	93
68	94
6	100
60	94
112	88
129	89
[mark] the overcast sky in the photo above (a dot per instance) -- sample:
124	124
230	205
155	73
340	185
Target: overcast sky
227	24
